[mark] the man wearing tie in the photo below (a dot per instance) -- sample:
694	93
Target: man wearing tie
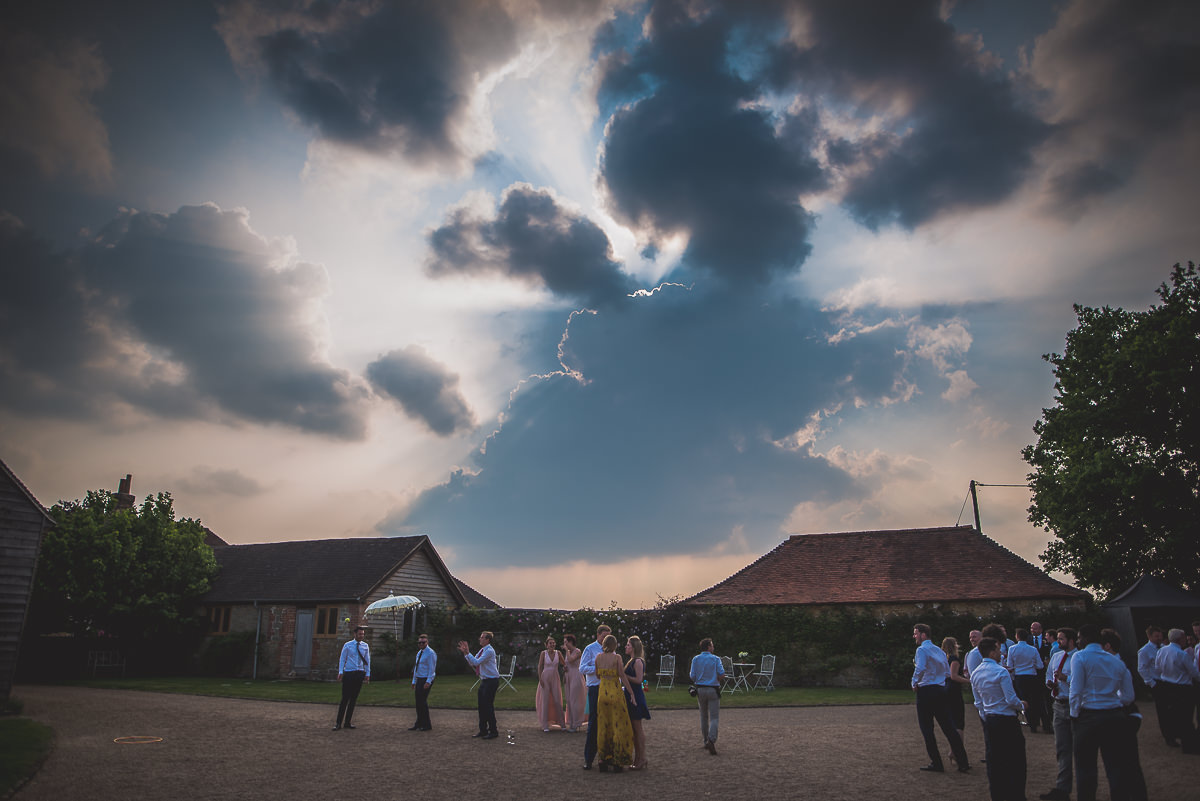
1149	673
587	666
484	663
354	668
424	672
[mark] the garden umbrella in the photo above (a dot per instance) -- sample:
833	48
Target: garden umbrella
393	603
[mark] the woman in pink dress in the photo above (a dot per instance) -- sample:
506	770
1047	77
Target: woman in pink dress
549	700
576	691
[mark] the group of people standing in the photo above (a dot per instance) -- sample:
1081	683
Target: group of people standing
1070	683
593	687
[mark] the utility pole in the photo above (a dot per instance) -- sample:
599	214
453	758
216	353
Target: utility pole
975	505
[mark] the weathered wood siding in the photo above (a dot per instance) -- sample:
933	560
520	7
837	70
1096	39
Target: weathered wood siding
22	523
418	576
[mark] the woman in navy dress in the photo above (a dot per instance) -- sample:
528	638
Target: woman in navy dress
635	669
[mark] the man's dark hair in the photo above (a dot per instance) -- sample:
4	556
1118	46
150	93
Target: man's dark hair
1089	633
1152	629
1069	633
1022	634
1110	638
988	647
924	629
995	631
706	643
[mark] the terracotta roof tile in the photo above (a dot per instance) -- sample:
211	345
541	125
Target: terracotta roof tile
910	565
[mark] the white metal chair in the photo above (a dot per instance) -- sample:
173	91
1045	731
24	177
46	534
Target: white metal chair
666	672
766	674
506	678
729	680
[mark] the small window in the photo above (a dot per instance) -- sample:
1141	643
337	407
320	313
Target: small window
218	619
327	621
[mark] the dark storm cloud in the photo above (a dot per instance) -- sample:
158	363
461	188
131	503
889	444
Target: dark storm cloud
395	76
188	315
1121	78
702	147
958	133
425	389
668	441
693	157
534	239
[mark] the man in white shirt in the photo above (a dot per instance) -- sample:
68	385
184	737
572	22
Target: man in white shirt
931	668
1058	682
998	706
1149	675
587	667
1176	672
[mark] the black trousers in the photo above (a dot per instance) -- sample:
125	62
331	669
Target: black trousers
1164	714
422	696
1029	690
589	745
1176	712
933	704
352	682
1005	758
1109	732
487	705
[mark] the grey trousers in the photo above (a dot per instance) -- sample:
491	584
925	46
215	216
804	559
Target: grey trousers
709	699
1064	746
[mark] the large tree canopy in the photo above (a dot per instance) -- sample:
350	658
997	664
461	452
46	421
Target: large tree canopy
1117	462
124	572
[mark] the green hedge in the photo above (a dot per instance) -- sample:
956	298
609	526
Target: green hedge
811	648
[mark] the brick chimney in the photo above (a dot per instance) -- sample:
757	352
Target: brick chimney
125	499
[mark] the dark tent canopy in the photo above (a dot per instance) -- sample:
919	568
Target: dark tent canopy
1149	600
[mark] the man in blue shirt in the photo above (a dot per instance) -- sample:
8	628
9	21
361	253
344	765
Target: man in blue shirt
998	706
931	669
484	663
706	672
354	668
1024	662
424	672
587	667
1100	688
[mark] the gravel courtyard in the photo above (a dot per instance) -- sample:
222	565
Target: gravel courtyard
215	748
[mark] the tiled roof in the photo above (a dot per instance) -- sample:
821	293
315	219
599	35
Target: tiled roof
911	565
307	570
474	597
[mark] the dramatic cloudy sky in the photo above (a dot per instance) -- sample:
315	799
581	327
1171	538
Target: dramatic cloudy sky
606	297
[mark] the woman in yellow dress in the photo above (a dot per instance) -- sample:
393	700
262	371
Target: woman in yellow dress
614	733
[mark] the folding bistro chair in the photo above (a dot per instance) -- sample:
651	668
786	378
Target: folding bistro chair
766	673
506	678
729	681
666	672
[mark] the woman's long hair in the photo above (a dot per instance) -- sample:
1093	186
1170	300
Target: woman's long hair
636	642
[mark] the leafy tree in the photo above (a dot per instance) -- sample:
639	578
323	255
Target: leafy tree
122	572
1117	462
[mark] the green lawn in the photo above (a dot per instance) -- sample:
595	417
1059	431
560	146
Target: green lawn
23	745
454	692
